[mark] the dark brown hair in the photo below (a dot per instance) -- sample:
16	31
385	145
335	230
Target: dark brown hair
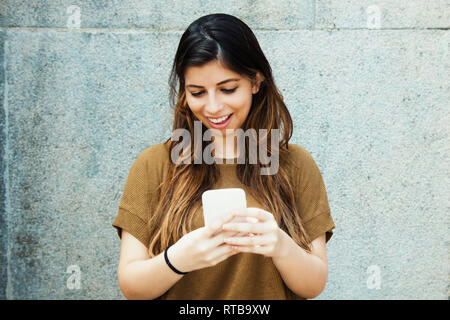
231	42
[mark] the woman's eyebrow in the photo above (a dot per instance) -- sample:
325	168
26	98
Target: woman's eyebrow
219	83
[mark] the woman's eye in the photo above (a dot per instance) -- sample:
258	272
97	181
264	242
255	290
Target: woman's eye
196	94
228	90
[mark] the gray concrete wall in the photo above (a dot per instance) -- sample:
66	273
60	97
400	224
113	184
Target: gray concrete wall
83	92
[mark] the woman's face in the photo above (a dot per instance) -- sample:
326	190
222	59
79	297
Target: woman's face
219	97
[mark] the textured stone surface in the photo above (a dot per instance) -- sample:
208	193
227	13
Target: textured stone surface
373	110
392	14
371	106
155	14
81	107
3	141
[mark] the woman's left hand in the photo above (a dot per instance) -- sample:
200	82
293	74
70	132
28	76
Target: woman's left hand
263	236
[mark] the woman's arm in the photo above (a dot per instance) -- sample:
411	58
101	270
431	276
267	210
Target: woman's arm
139	276
304	273
142	277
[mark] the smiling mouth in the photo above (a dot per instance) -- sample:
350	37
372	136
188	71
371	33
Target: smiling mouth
220	120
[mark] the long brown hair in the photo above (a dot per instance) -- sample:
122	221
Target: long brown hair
227	39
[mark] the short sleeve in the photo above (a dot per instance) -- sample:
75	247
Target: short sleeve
140	195
311	195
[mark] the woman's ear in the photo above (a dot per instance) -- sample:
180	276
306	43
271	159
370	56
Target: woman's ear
256	84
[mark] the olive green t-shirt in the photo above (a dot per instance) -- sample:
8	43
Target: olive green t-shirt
244	275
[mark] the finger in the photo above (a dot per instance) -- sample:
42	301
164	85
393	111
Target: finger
249	227
227	217
264	250
250	241
216	226
218	239
257	213
227	234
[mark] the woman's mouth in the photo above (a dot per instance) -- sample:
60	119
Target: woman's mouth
220	123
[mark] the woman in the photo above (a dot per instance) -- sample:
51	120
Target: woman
224	81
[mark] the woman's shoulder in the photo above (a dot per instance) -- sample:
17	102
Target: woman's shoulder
304	167
297	149
156	152
299	156
154	157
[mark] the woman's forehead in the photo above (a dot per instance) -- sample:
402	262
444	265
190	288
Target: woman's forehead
212	72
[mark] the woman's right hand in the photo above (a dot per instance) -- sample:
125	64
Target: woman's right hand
203	247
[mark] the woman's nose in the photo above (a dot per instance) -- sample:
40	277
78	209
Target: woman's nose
213	106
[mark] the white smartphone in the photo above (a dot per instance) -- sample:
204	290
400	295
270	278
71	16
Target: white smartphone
221	201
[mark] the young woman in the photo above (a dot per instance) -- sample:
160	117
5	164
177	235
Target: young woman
224	81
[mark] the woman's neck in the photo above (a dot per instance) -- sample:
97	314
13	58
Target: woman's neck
225	147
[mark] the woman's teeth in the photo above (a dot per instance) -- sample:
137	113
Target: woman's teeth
219	120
